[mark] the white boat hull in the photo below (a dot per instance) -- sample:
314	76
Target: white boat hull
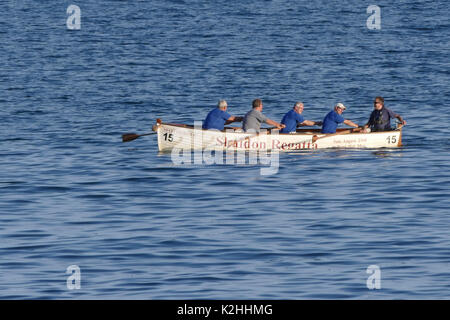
186	137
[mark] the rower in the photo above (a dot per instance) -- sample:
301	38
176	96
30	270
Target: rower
334	117
380	118
218	117
253	119
293	118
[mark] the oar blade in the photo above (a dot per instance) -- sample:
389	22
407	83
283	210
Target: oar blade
129	137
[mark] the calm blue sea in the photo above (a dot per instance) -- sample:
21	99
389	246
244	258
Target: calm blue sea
138	226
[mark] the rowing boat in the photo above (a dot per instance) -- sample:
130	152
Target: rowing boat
183	136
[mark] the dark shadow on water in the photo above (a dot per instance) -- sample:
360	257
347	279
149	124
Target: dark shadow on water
386	153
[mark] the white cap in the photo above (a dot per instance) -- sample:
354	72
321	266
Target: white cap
340	105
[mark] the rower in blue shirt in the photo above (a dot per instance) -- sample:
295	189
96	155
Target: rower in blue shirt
294	118
218	117
334	117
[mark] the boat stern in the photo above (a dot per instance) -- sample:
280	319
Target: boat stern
399	128
156	127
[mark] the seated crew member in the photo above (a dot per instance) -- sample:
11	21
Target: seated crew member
218	117
254	118
334	117
294	118
380	118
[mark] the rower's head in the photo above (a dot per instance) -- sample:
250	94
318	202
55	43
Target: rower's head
257	104
339	108
298	107
378	104
222	105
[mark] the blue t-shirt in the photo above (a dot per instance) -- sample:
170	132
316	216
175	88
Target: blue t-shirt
291	119
331	121
216	119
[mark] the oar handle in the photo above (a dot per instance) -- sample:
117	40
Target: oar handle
315	137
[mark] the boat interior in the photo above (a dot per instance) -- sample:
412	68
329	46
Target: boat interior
299	130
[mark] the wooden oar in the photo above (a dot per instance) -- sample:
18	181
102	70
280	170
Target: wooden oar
315	138
132	136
